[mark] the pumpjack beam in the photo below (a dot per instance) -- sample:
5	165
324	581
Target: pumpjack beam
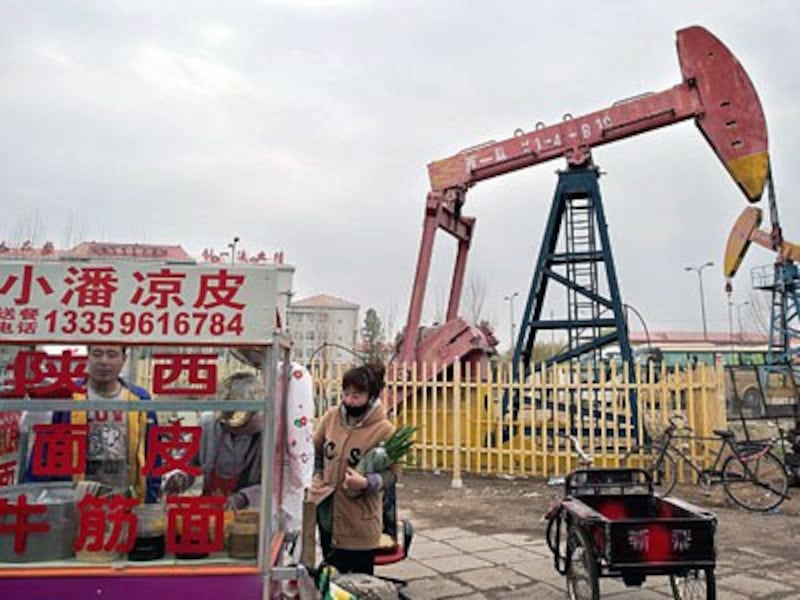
715	91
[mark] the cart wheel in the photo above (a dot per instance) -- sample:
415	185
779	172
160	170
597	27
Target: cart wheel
582	577
696	584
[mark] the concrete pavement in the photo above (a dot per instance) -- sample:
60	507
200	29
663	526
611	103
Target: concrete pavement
450	562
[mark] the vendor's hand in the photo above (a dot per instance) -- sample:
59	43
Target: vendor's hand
354	481
236	501
174	482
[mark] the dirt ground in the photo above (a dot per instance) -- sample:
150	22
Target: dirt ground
491	505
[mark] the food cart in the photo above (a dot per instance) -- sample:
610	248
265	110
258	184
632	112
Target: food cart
190	313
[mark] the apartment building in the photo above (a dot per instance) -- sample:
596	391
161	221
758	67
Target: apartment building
323	327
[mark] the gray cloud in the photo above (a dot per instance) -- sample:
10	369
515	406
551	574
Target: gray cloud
307	127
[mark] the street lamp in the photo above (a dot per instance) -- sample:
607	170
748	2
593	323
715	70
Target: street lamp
232	246
510	299
288	294
699	271
739	316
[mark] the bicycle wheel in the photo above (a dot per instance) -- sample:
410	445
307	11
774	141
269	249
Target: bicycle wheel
664	472
582	575
695	584
759	484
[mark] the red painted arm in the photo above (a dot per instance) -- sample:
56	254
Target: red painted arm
716	91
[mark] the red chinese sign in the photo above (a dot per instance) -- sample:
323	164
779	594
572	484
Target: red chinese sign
9	446
40	374
172	447
59	450
18	524
97	514
195	525
8	473
185	374
9	433
128	303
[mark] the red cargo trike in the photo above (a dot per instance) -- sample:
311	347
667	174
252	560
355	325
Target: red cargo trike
610	523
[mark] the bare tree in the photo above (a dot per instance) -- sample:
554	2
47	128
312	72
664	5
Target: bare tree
475	298
440	305
69	226
28	229
760	310
390	323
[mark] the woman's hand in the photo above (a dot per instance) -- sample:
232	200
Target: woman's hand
354	481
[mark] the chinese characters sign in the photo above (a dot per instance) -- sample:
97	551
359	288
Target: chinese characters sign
41	375
194	524
130	303
9	445
60	449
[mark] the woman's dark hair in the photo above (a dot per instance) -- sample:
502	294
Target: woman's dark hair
366	378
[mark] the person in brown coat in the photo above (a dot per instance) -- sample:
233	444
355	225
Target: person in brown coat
350	505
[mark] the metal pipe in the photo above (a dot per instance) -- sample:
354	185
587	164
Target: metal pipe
269	377
510	299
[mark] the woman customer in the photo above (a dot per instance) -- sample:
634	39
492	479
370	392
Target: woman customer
349	505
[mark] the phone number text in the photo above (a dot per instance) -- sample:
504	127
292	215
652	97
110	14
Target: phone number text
70	322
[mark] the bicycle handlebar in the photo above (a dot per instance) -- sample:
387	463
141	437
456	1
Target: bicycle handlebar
577	445
673	425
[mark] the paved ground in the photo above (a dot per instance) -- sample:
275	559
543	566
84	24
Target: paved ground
486	540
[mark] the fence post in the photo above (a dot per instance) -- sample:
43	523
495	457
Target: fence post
457	482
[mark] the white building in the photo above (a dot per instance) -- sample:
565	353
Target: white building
323	327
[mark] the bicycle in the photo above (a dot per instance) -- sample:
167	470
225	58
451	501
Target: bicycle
751	475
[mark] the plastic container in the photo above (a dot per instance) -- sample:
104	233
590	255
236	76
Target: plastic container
150	543
244	535
61	515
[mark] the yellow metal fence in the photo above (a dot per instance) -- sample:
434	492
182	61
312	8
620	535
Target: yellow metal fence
491	424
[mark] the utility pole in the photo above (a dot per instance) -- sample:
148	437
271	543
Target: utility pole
510	300
699	271
232	246
739	315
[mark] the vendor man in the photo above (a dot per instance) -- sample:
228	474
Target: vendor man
116	444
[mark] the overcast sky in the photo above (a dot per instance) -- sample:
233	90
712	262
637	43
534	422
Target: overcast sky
306	126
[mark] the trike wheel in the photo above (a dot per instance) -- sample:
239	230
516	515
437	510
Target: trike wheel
760	485
695	584
582	576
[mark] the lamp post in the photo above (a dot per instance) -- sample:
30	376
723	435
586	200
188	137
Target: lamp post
510	299
730	328
699	271
232	246
288	294
739	316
